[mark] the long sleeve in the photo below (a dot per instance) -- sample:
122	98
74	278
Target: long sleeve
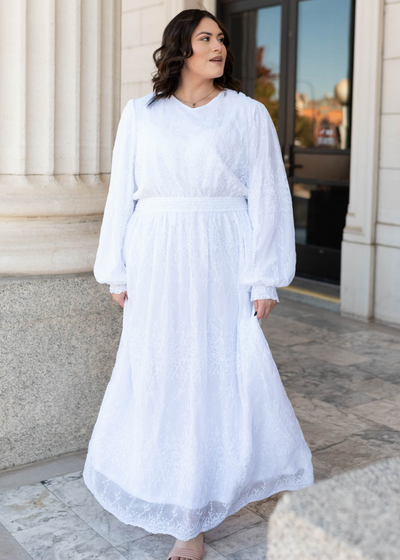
272	261
109	267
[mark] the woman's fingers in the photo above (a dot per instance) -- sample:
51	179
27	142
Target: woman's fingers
120	298
263	307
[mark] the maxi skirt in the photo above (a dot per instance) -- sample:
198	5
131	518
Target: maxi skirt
195	422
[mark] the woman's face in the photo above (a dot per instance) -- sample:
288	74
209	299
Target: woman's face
207	43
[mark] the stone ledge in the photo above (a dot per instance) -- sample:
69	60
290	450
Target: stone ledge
352	516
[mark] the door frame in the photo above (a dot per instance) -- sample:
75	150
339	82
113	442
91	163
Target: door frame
226	8
323	262
357	285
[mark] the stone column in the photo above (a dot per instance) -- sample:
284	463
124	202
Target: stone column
359	235
60	103
60	107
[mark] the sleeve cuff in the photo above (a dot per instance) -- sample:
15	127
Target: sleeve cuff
264	292
118	288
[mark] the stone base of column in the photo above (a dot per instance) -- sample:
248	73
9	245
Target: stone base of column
357	280
59	339
50	224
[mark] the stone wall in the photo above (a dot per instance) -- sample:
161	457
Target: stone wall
387	270
59	338
370	261
143	23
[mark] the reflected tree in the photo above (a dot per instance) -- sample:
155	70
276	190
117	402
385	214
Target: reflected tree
265	90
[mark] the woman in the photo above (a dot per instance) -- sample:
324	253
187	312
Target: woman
197	235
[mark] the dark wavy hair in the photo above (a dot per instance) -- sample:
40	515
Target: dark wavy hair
170	57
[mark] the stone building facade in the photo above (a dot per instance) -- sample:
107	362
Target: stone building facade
67	69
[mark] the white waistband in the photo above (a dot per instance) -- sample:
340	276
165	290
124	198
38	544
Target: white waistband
191	203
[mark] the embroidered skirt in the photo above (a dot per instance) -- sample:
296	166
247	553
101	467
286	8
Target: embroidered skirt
195	422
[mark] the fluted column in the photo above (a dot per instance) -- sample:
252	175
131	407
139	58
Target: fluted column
60	102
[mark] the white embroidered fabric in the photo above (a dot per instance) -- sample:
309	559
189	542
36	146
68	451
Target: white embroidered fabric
195	422
228	147
118	288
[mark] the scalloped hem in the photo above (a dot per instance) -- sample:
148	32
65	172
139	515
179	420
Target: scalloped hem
165	518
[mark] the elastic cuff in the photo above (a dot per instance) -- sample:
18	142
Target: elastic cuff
264	292
118	288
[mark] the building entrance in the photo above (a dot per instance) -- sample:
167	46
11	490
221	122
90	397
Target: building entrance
295	56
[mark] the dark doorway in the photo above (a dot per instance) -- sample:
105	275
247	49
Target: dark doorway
295	56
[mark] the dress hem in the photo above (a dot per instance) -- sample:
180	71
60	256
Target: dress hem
247	498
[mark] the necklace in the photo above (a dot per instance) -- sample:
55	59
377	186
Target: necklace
195	103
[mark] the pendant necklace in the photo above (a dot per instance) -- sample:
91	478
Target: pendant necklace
195	103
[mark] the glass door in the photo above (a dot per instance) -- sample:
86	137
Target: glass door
257	44
295	56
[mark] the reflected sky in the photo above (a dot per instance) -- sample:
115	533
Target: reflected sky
322	63
323	45
268	35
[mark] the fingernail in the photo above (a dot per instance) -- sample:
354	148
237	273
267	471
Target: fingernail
255	313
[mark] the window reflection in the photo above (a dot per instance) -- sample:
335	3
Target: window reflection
256	45
319	214
267	59
322	83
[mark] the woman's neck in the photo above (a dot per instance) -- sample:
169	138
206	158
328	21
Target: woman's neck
199	96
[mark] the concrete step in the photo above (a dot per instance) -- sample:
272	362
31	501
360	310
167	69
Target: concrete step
313	292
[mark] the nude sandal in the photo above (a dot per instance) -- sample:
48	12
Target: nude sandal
185	553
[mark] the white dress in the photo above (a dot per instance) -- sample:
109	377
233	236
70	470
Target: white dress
195	422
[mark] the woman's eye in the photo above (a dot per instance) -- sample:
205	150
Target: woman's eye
221	38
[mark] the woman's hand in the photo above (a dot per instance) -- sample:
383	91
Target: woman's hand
264	307
120	298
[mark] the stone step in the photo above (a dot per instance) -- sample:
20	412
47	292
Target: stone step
313	292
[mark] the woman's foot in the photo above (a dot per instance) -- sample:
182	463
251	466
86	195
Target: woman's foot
196	544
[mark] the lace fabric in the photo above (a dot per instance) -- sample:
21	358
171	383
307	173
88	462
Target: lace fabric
195	422
264	292
226	148
173	519
118	288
